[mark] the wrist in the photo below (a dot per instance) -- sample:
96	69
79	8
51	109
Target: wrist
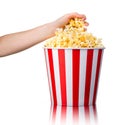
51	28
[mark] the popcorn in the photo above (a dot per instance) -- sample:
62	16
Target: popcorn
73	35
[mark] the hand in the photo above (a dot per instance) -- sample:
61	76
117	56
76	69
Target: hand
62	21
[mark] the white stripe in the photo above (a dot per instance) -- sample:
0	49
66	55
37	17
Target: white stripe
68	60
82	75
99	72
58	116
91	113
94	67
57	75
92	116
69	115
49	78
51	114
81	115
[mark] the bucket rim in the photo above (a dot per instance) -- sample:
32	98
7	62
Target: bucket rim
71	48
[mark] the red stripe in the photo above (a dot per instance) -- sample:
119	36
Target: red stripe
87	114
54	113
61	56
63	114
95	112
50	58
47	74
88	76
75	65
75	114
97	75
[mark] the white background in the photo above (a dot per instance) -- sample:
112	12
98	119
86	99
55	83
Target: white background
24	93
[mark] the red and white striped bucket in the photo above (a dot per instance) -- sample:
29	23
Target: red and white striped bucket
73	75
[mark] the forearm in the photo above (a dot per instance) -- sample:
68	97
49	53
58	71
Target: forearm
16	42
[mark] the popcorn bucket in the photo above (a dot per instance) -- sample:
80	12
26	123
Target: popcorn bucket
73	75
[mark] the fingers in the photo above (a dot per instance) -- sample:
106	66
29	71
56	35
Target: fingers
85	29
86	23
82	16
76	15
62	21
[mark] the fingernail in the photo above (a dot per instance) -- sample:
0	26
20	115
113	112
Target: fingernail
86	23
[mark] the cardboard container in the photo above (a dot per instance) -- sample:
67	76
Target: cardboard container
73	75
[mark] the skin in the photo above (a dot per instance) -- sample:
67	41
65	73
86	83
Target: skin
16	42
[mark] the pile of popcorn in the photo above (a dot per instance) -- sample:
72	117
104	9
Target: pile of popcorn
74	35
